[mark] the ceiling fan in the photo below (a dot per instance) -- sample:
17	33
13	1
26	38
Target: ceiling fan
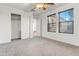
42	6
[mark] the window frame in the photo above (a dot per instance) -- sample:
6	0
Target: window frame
50	23
66	21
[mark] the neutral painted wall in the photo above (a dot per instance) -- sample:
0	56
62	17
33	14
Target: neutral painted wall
63	37
5	23
24	27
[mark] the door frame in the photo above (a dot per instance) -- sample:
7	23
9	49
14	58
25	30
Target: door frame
11	23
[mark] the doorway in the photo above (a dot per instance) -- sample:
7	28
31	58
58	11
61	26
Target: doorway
15	27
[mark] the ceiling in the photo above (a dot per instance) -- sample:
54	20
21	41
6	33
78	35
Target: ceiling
28	7
16	5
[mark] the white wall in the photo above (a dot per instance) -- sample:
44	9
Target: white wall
63	37
25	26
5	23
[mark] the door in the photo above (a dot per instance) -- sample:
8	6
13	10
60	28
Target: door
15	26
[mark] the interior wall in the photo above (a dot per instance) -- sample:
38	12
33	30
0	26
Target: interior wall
25	26
63	37
5	23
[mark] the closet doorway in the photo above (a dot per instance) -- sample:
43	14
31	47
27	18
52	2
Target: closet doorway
15	27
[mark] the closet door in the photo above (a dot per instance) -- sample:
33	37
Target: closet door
15	26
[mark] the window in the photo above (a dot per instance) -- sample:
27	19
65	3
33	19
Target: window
52	23
66	21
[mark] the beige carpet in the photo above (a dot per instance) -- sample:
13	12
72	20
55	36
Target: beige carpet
38	47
